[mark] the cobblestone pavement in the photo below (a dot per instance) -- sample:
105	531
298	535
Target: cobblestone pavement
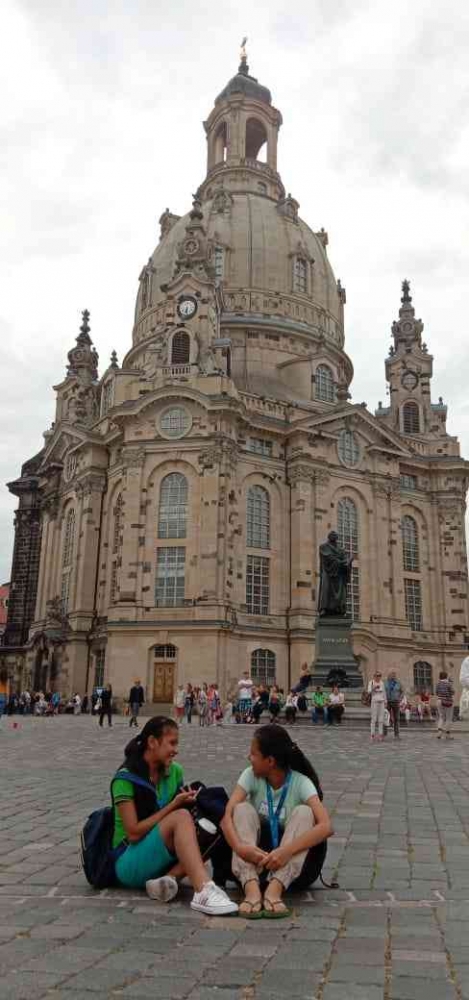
397	929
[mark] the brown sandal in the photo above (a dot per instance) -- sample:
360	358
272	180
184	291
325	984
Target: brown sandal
271	913
255	911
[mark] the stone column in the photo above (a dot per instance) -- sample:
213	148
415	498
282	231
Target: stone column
303	553
25	567
90	498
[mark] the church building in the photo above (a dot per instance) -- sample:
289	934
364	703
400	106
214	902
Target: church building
169	528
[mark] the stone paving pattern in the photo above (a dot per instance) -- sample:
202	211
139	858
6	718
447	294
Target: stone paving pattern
397	929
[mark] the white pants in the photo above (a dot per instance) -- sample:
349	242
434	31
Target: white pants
247	825
377	717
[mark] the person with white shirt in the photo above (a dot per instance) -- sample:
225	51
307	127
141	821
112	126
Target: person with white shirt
377	691
245	687
336	706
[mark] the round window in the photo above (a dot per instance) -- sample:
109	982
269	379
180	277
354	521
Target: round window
175	422
348	448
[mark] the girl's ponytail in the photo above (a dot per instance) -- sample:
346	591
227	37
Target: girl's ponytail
273	741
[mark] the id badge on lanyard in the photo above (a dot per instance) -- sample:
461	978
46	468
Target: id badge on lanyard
274	814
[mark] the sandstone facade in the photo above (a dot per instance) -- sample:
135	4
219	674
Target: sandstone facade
170	526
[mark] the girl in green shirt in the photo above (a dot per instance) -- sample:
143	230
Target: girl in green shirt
158	834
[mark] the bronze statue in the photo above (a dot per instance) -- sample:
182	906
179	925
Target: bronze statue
335	569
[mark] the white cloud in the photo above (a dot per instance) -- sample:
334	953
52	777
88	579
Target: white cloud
101	106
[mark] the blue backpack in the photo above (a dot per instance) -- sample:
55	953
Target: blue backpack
98	856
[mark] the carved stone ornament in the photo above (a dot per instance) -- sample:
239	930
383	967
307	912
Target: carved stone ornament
221	449
133	458
54	613
390	488
157	355
50	505
91	483
308	474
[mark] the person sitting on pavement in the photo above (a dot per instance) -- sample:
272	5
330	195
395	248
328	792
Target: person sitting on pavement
291	706
154	826
319	705
405	708
336	706
275	703
261	703
394	692
273	820
423	705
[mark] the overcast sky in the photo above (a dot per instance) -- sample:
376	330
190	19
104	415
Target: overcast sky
101	110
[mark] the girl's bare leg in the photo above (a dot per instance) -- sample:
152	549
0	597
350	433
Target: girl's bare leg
178	832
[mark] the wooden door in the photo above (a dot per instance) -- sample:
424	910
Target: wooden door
163	682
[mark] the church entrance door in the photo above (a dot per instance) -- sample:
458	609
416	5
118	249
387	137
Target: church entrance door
164	669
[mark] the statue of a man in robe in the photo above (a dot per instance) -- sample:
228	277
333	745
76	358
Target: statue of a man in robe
335	569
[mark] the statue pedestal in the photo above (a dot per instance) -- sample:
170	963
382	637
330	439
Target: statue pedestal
334	651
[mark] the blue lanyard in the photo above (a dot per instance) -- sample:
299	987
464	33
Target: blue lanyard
275	815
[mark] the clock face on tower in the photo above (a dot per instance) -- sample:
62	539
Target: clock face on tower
187	307
409	380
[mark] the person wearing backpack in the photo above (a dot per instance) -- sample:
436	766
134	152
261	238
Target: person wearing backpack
275	823
394	693
154	834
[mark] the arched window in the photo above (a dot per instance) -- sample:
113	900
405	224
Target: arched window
256	138
347	526
145	297
181	348
263	667
347	530
348	448
410	418
410	544
172	514
423	677
258	518
324	384
221	144
300	275
67	558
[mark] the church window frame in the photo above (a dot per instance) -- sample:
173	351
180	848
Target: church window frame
300	275
353	594
256	138
173	506
181	348
408	481
219	262
99	667
348	448
170	576
258	517
413	604
411	417
410	544
145	298
347	526
70	466
324	388
260	446
107	396
257	584
263	667
423	677
68	550
175	422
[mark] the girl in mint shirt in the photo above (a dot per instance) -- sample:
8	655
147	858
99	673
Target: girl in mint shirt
274	818
155	834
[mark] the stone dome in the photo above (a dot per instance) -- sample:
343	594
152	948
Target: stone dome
261	242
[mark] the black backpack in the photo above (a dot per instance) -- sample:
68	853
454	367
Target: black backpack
98	856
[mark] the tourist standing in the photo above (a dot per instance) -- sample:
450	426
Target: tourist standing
106	705
179	702
445	695
275	703
136	700
394	694
291	706
76	704
245	686
188	703
202	705
377	692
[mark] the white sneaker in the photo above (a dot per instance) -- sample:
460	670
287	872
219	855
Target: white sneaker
213	901
163	889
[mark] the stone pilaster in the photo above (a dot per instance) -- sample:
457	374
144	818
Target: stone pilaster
90	495
133	459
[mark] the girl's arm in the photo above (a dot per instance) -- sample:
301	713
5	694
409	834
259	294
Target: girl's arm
248	852
321	830
136	829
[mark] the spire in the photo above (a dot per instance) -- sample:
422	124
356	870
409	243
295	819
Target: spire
407	330
406	296
83	359
243	66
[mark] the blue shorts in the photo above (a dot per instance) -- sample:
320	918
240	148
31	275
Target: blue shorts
149	858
